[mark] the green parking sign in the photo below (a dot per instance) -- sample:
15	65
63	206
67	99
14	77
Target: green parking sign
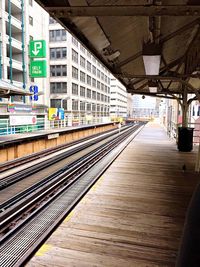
38	69
37	49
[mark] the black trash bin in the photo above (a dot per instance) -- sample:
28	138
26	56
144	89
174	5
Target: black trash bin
185	139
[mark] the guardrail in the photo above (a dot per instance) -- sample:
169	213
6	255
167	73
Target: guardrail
42	124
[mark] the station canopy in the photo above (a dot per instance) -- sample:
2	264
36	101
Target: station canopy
152	46
8	89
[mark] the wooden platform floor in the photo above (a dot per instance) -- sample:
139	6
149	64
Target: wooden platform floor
134	215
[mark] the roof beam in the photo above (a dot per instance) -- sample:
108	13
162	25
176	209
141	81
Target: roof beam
159	95
162	40
133	10
178	77
163	69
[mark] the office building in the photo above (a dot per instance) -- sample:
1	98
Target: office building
79	83
118	99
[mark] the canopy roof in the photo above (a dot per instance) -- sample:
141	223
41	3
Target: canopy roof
8	89
116	31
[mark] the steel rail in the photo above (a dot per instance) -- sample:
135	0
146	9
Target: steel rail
11	179
24	200
22	241
17	162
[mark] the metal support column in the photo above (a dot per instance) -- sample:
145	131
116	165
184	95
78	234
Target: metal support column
10	38
0	57
185	106
23	45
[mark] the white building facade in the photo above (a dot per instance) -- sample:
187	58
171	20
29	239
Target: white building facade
79	83
20	22
118	100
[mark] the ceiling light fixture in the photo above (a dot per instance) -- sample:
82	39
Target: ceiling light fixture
153	87
151	58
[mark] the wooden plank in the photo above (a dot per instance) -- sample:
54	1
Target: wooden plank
135	213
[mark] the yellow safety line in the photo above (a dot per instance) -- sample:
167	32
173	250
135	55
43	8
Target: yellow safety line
44	248
69	216
97	184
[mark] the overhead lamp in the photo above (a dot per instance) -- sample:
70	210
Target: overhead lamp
196	71
113	56
151	58
153	87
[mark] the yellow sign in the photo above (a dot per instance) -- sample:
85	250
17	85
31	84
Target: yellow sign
53	113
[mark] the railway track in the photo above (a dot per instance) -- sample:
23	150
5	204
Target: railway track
19	161
56	198
73	148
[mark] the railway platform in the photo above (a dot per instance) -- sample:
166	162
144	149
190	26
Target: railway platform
134	215
23	144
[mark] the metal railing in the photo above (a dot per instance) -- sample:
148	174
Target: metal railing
172	131
43	124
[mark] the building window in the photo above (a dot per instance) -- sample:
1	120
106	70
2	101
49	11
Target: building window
74	73
98	73
74	89
58	87
74	41
89	65
94	70
82	106
106	79
58	53
94	60
55	103
102	87
58	70
31	2
82	62
102	76
94	95
88	54
74	104
57	35
98	85
93	107
94	82
88	80
82	76
88	106
82	48
98	96
74	56
64	104
82	91
88	93
31	20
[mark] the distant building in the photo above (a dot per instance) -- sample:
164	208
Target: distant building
118	99
144	106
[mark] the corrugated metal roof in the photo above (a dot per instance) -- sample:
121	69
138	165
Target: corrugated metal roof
112	28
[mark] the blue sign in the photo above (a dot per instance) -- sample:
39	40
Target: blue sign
61	114
34	89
